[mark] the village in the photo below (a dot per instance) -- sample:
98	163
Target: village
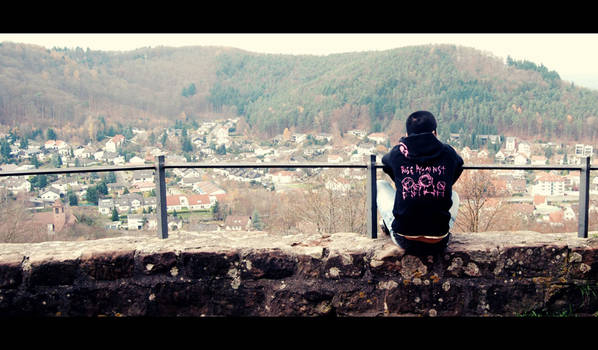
126	199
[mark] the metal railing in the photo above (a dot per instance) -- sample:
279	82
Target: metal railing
371	166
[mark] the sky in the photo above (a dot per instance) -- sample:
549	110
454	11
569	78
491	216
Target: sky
573	55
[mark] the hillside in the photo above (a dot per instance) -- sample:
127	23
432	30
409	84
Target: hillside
78	91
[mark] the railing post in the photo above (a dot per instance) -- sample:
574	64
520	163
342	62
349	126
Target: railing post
584	199
372	214
161	199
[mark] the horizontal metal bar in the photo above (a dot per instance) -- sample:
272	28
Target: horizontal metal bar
76	170
266	166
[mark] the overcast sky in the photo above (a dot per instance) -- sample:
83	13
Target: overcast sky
573	56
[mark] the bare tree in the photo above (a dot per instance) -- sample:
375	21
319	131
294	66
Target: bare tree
481	202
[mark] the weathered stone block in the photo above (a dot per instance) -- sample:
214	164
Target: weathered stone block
109	265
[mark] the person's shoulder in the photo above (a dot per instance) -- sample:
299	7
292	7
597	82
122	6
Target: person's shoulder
452	151
449	148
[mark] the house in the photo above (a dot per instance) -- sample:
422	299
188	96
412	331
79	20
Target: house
524	148
142	176
50	194
339	184
116	187
105	206
538	160
499	157
298	138
200	201
136	160
569	214
136	221
17	184
189	181
283	177
582	150
237	223
143	187
129	201
572	181
483	154
366	148
323	136
82	152
220	135
549	185
378	137
115	142
176	202
520	159
174	223
334	158
209	188
357	133
55	145
510	144
466	153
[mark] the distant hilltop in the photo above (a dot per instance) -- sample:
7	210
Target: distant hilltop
468	90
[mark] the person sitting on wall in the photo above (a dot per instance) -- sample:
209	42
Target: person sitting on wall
420	213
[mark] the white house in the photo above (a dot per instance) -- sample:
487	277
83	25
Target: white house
135	221
142	176
378	137
298	138
510	144
283	177
237	223
17	184
51	194
357	132
136	160
220	135
569	214
105	206
200	201
339	184
366	148
538	160
176	202
524	148
499	157
520	159
549	185
114	142
334	158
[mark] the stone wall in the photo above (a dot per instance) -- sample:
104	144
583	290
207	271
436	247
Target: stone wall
342	274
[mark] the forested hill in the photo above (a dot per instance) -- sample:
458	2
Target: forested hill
470	91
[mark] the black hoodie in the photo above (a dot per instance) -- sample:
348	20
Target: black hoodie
424	171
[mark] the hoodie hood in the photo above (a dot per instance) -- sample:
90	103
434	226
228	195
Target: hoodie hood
422	147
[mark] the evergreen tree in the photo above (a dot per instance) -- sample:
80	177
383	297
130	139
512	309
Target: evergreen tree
5	150
72	198
92	195
56	160
256	221
115	214
50	134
